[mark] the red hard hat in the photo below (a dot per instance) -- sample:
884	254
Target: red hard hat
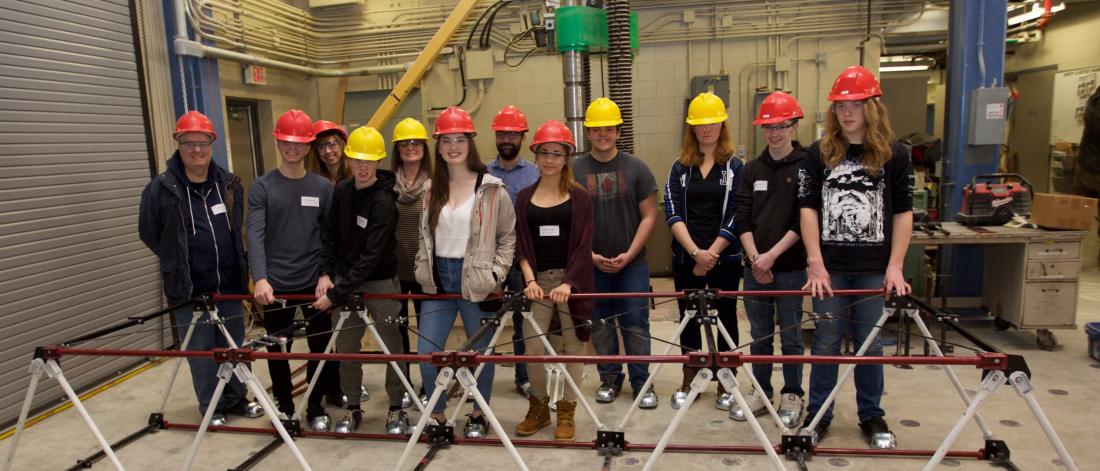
777	108
553	131
855	83
294	126
193	121
454	120
510	118
322	126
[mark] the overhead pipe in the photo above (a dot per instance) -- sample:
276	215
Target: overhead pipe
196	49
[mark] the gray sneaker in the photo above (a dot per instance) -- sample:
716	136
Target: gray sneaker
321	423
218	420
350	422
397	422
678	399
608	391
476	427
790	410
756	405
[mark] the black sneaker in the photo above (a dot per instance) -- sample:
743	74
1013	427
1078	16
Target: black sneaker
818	433
878	434
609	390
476	427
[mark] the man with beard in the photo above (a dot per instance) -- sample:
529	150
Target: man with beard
510	126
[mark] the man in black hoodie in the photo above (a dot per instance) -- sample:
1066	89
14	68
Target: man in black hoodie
358	242
190	217
766	219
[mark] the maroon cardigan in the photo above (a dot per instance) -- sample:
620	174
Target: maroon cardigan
578	269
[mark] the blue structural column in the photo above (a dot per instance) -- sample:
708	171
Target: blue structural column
196	84
977	32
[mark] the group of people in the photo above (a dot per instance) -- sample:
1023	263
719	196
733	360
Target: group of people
330	222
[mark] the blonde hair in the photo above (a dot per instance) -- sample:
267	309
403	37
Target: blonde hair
876	139
691	156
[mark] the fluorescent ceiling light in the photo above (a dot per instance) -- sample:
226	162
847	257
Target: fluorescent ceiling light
1035	13
902	68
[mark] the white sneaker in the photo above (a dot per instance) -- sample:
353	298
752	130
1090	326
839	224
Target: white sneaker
756	405
790	410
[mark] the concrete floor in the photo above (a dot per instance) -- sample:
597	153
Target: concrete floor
921	407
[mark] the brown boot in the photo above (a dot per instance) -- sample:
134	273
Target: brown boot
538	416
567	428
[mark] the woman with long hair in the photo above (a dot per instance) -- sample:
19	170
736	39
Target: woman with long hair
326	156
699	203
856	198
413	170
554	239
467	241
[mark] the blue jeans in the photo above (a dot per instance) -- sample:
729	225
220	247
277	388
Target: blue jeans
436	319
206	336
515	283
631	315
763	311
869	378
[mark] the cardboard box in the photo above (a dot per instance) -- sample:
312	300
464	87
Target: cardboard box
1054	211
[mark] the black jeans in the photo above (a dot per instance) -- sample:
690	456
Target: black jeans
318	330
725	276
408	287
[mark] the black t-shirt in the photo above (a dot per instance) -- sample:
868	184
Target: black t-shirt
706	199
550	231
856	209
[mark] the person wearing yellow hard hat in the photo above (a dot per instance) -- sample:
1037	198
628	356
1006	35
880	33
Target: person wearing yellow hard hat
413	169
357	257
699	205
285	210
624	196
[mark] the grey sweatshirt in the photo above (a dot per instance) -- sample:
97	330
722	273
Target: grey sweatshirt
284	229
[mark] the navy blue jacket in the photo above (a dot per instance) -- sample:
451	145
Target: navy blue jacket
195	231
676	205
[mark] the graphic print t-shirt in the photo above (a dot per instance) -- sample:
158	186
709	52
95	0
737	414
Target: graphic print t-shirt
856	209
616	188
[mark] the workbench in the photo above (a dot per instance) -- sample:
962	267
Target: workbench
1029	277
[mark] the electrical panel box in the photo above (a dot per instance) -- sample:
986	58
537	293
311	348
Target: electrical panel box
988	113
716	84
479	64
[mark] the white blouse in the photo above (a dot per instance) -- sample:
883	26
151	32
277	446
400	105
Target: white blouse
452	232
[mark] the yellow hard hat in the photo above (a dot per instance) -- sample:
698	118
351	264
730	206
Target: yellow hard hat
601	113
409	129
366	143
706	108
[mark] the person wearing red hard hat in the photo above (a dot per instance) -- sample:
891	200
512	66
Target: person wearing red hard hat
326	156
554	240
510	126
467	241
699	206
856	198
191	218
285	210
766	221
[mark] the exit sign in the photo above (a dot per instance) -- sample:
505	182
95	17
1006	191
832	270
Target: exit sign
255	75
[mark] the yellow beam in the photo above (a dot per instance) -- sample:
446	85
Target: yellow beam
420	66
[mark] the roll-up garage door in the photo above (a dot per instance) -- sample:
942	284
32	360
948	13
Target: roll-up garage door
73	162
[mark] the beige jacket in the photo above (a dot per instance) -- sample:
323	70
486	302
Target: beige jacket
491	247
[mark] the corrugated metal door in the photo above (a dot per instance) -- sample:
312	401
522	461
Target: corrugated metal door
73	162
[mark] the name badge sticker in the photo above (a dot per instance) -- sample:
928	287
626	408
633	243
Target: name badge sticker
361	221
311	201
217	209
760	185
549	231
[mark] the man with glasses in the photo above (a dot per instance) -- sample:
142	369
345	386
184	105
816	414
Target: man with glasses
510	125
285	209
190	217
767	222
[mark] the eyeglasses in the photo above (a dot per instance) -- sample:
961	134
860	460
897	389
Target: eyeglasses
327	144
777	127
409	144
453	141
550	155
196	145
848	106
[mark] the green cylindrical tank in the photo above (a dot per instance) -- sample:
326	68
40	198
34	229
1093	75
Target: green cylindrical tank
583	29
